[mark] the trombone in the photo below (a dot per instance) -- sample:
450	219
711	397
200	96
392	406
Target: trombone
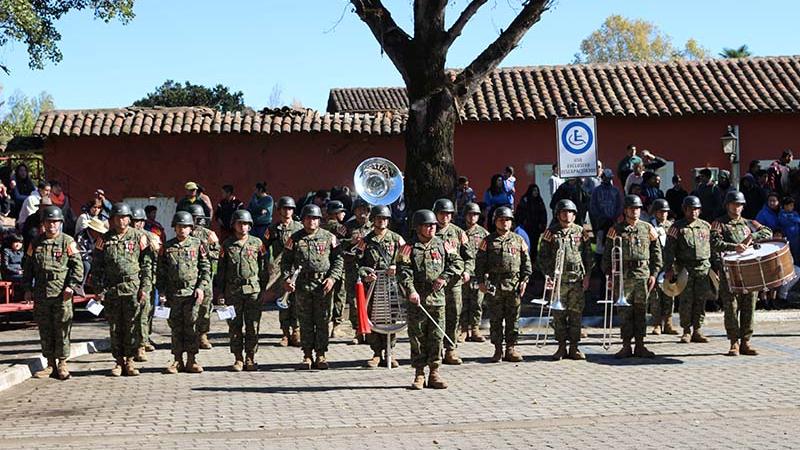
553	301
615	281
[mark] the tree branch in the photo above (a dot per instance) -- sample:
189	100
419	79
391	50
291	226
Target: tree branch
429	21
392	39
458	26
467	81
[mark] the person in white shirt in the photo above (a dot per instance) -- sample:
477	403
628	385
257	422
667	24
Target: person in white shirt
554	181
31	203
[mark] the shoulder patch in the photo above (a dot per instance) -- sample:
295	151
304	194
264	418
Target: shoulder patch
143	243
483	245
401	241
652	233
334	241
464	238
612	233
203	249
406	250
99	244
289	244
585	236
72	248
547	235
716	226
448	247
212	237
267	234
673	232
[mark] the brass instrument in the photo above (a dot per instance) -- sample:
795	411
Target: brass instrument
614	282
283	301
553	301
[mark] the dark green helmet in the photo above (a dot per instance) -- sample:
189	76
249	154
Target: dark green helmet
360	203
121	209
423	217
735	197
443	205
472	208
334	207
691	202
632	201
566	205
52	213
138	214
182	218
311	210
503	212
660	205
380	211
286	202
195	210
241	215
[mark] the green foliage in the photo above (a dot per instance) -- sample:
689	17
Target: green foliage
33	22
621	39
22	115
741	52
174	94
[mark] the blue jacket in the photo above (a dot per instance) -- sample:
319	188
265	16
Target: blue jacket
606	202
790	225
769	218
261	209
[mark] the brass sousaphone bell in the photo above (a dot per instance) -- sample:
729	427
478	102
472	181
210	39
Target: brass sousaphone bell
378	181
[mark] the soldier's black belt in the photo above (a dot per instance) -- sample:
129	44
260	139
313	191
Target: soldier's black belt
311	275
127	278
630	265
50	276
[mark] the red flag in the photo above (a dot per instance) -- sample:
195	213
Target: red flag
361	305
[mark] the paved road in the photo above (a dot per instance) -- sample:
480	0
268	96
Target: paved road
690	396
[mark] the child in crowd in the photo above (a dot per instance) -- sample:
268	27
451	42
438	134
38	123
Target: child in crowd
789	221
11	263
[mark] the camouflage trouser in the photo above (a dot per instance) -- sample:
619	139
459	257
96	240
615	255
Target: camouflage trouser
288	317
122	314
503	307
693	299
424	337
567	323
452	311
337	304
377	342
248	314
633	319
183	313
204	313
472	309
144	320
314	312
54	318
739	311
350	277
661	305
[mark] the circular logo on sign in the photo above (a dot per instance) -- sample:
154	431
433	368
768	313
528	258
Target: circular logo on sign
577	137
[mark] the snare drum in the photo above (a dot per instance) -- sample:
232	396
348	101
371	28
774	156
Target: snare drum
768	265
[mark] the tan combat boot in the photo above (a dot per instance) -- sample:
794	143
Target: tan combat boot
498	353
625	351
656	329
419	379
512	355
462	335
746	349
561	353
149	347
334	331
698	337
435	381
356	338
395	364
734	350
687	336
306	364
641	351
574	353
294	339
174	366
238	363
116	371
668	328
203	342
191	364
475	335
285	338
374	361
130	369
321	363
141	355
63	372
47	370
451	357
250	363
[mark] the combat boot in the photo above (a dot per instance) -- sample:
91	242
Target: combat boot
285	338
419	379
250	363
63	372
374	361
294	339
656	329
47	370
512	355
334	331
462	335
746	349
435	381
203	342
356	338
498	353
321	363
625	351
191	364
149	347
116	371
130	369
395	364
141	355
451	357
475	335
668	328
687	336
698	337
172	368
734	350
641	351
306	364
561	353
574	353
238	364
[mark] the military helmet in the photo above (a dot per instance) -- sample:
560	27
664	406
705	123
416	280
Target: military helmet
286	202
138	214
735	197
241	215
380	211
423	217
182	218
121	209
443	205
52	213
195	210
310	210
632	201
334	207
566	205
691	202
472	208
503	212
660	204
360	203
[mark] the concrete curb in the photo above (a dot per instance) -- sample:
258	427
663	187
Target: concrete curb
17	373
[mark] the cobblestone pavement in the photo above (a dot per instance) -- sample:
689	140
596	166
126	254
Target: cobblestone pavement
689	396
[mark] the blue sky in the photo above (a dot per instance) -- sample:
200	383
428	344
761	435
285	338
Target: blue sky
304	47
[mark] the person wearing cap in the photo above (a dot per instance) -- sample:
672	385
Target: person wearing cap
378	250
472	309
123	277
662	304
317	254
689	247
275	239
225	210
641	263
503	262
457	239
184	272
241	278
565	234
734	233
425	266
335	214
212	244
145	322
357	227
52	273
192	198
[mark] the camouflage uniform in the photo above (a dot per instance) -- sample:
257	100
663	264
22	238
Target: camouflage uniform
355	233
339	289
182	268
472	309
458	240
275	238
211	243
145	323
662	304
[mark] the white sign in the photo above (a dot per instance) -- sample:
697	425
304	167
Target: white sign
577	147
226	313
161	312
94	307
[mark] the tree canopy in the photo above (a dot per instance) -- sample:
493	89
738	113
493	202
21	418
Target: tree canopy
741	52
175	94
22	114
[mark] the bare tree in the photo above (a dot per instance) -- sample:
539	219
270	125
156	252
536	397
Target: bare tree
433	94
275	96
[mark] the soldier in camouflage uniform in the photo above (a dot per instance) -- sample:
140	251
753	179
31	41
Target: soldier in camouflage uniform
211	242
473	298
241	278
335	213
123	276
275	237
565	233
184	273
662	303
455	236
503	261
145	321
52	271
689	247
733	233
424	268
641	262
318	255
357	227
378	251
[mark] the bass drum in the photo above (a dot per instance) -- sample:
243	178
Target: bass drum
767	265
